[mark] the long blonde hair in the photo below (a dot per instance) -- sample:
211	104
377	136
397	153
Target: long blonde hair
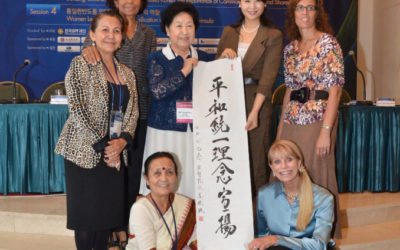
286	148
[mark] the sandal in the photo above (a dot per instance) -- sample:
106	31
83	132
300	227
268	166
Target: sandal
122	244
113	241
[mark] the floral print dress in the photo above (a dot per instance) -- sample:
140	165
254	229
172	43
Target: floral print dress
319	68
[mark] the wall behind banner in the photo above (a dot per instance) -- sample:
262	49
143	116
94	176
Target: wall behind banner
51	32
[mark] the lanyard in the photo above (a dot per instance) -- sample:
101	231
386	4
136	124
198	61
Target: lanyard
174	242
121	92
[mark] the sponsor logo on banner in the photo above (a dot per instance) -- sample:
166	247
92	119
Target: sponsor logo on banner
75	32
42	9
210	50
162	40
68	39
208	41
277	4
67	48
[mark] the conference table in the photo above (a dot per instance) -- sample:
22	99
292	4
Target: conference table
367	148
28	135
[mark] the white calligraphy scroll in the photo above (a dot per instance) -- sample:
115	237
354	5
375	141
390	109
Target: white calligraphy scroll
222	170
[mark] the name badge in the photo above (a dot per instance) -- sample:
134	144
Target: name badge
184	112
116	118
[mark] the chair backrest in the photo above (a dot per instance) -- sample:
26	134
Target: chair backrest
6	92
51	90
345	97
278	95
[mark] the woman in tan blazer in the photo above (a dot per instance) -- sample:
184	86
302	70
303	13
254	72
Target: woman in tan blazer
260	47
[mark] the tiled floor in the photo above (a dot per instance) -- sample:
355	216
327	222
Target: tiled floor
20	241
35	204
352	200
54	206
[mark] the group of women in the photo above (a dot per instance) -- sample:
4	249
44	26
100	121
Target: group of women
122	99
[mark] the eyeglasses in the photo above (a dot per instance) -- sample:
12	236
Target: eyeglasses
301	8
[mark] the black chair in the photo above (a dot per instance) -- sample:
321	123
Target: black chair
345	97
278	95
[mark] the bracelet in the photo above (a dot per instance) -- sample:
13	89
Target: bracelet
327	127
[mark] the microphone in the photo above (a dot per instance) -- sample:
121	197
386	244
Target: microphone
23	65
27	62
364	102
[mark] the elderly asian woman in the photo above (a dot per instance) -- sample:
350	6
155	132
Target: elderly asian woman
170	74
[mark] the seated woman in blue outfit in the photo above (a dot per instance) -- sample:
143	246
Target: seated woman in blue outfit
170	76
292	212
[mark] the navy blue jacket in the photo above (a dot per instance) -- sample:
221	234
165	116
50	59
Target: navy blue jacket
167	85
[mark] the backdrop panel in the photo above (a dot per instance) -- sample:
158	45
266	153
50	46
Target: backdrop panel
51	32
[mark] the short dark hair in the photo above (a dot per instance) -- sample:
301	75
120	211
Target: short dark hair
158	155
172	10
111	13
263	18
143	5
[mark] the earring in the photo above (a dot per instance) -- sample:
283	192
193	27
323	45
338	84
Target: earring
301	169
273	173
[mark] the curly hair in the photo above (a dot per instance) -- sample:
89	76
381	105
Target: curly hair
321	20
143	5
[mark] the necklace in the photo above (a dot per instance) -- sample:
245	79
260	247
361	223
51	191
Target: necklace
130	37
250	31
291	197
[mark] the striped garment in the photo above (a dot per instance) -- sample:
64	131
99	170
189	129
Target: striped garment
133	53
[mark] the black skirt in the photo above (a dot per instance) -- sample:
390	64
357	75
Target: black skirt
96	198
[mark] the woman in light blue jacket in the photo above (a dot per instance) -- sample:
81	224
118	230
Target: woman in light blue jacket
292	212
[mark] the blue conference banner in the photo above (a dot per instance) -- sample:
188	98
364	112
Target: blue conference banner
51	32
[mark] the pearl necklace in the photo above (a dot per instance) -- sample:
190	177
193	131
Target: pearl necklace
250	31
